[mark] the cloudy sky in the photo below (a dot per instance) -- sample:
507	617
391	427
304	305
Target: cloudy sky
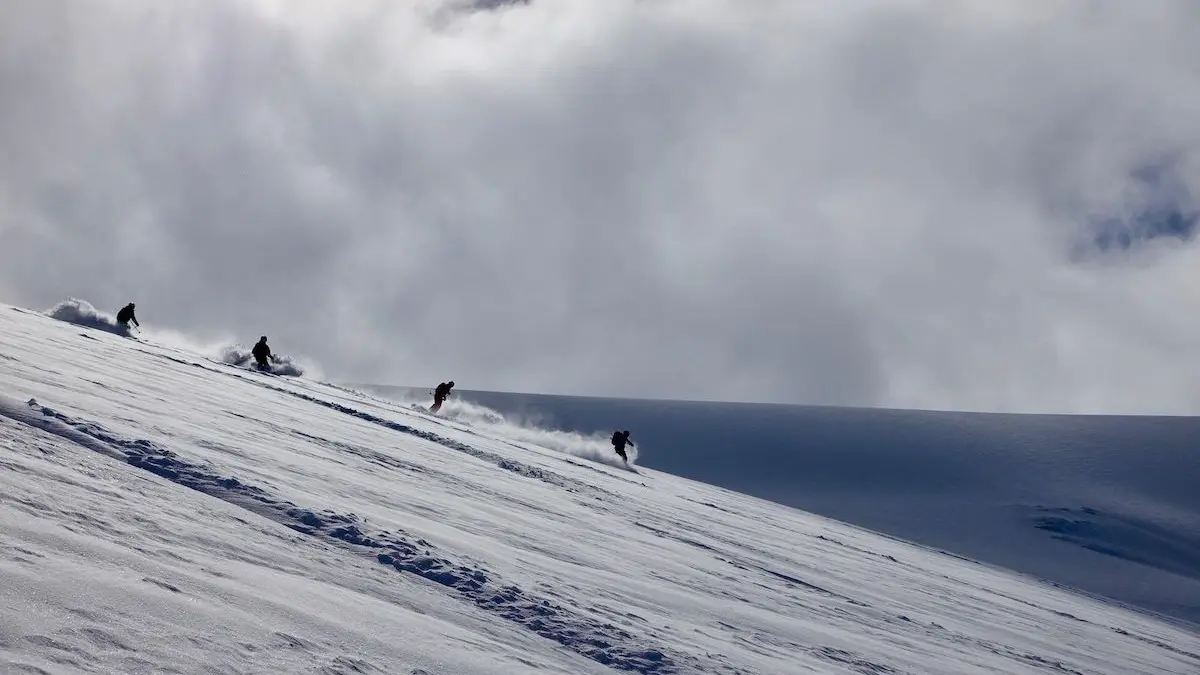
967	205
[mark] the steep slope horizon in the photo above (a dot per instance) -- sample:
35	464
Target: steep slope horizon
1104	504
161	510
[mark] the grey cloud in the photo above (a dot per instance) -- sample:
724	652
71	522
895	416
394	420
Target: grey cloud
877	205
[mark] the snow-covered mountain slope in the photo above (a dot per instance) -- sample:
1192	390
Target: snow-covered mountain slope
1106	504
161	511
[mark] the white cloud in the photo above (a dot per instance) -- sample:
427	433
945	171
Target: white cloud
877	204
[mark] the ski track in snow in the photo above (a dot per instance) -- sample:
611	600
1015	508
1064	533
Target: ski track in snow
604	643
578	568
500	461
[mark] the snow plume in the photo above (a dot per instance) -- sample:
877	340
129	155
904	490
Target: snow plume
82	313
225	350
526	429
238	355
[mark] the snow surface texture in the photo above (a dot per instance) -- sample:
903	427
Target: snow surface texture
1104	504
161	511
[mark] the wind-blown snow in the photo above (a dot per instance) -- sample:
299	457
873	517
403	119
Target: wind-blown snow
161	511
238	355
595	446
82	313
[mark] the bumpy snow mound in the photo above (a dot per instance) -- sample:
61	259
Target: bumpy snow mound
82	313
237	355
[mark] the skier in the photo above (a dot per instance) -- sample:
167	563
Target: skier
619	440
125	316
440	394
262	354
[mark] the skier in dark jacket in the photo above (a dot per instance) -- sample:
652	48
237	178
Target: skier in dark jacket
262	354
440	394
619	440
125	316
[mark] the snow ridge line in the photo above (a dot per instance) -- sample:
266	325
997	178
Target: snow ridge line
604	643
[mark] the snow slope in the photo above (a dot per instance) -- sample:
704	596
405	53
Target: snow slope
1105	504
165	512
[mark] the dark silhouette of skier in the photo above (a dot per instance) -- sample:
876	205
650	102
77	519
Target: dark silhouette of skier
262	354
125	316
440	394
619	440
